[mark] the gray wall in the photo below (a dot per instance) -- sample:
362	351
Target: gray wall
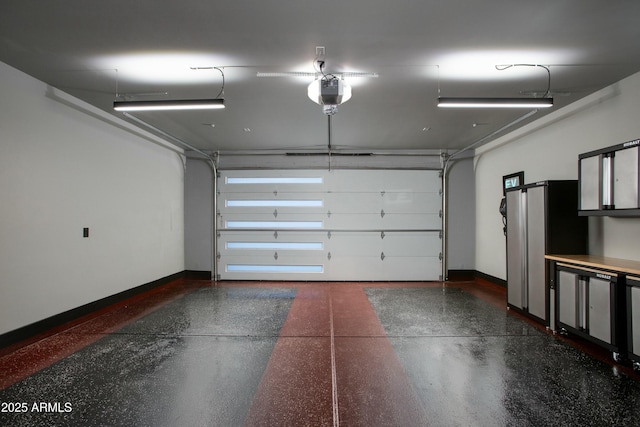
461	213
64	166
198	229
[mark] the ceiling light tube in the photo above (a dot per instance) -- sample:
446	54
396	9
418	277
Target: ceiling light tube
185	104
495	102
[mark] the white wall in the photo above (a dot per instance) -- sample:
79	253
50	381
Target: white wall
65	166
549	149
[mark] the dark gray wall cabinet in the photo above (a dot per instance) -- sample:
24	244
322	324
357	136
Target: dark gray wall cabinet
609	180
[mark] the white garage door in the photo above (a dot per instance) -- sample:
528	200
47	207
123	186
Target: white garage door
329	225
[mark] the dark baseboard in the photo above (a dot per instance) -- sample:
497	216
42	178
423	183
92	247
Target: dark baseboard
461	275
466	275
492	279
51	323
197	275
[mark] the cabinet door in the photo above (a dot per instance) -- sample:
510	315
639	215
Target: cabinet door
515	248
568	298
635	319
536	267
625	179
590	183
600	309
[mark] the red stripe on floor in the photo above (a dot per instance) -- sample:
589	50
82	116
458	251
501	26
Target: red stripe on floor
373	388
296	386
358	381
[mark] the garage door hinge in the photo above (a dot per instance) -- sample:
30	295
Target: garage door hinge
382	193
382	214
382	256
275	213
328	214
440	192
329	256
218	256
440	213
275	193
275	256
328	234
275	234
382	234
440	234
440	256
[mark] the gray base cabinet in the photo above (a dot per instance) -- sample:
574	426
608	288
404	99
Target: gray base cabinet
587	303
598	298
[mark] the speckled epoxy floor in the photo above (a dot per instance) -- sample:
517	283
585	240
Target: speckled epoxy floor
472	364
352	354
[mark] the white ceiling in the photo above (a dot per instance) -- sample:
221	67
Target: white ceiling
144	49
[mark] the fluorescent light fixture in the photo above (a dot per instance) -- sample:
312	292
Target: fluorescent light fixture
183	104
495	102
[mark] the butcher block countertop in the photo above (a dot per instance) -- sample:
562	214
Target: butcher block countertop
617	264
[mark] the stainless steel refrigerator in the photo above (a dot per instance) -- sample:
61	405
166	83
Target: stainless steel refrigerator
542	218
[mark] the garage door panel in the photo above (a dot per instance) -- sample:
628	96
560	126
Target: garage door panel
384	180
350	244
305	202
411	244
371	221
338	225
353	267
412	202
276	258
267	202
268	235
273	221
382	221
256	181
274	238
411	268
354	202
391	203
411	222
